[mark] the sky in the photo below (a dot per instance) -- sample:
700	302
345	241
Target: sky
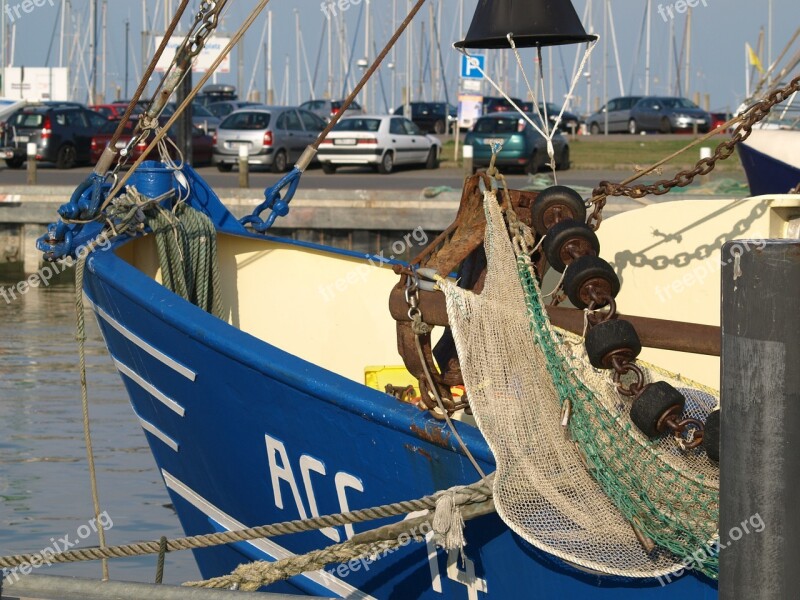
720	29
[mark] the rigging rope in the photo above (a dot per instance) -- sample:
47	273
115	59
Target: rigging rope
87	434
546	132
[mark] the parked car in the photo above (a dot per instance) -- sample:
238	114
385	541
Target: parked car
570	122
381	141
275	136
667	114
432	117
202	144
111	111
201	116
495	104
326	109
719	118
62	134
619	116
523	147
217	92
226	107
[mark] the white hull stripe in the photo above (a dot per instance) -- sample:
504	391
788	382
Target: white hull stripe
157	354
267	546
149	387
156	432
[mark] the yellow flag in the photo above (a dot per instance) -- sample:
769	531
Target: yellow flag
754	60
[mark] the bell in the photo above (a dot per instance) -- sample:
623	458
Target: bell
531	23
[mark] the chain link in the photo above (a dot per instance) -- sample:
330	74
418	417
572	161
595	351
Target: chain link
723	151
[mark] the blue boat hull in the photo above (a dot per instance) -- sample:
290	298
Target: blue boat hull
246	434
767	174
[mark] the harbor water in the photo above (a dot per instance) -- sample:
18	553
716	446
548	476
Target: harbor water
45	498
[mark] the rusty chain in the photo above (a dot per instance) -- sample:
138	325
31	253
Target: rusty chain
704	166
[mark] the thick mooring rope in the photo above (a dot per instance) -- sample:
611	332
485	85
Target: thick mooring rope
464	496
252	576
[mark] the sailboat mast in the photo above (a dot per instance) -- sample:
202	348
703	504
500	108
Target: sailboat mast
61	38
270	94
647	51
297	54
688	68
105	50
407	95
394	55
93	21
366	97
769	41
329	93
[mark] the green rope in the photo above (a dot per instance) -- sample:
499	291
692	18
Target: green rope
186	242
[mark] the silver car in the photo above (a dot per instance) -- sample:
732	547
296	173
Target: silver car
225	107
619	116
274	136
381	141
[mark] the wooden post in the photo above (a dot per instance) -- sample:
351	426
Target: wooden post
244	166
760	449
31	151
467	154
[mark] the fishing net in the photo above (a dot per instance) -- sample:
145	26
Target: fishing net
575	477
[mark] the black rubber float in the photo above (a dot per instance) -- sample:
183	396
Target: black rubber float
590	279
568	240
612	338
554	204
654	405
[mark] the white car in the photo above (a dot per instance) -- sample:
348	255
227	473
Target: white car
382	141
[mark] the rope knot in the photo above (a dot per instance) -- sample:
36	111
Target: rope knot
448	524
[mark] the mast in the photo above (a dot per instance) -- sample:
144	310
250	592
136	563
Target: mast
670	52
127	49
688	41
3	48
769	41
394	56
329	93
605	63
431	52
93	25
366	97
297	37
647	51
270	87
420	72
144	36
407	95
616	48
61	39
105	50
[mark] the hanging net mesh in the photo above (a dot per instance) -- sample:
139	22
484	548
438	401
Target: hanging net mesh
590	488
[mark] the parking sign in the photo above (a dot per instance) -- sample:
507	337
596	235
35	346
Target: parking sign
473	67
